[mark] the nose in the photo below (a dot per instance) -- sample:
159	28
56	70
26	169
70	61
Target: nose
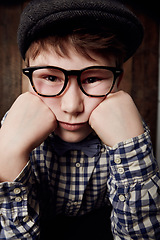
72	98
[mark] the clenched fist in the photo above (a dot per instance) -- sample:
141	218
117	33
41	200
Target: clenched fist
116	119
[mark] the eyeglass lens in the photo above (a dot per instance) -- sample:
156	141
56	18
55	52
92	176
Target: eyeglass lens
50	81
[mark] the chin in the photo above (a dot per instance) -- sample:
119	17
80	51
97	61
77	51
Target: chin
73	136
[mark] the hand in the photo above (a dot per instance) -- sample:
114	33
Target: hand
116	119
28	124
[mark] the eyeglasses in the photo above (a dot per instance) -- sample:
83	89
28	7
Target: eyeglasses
95	81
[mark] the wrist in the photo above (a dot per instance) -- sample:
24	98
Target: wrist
12	161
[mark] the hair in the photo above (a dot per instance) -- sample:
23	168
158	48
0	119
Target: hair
84	40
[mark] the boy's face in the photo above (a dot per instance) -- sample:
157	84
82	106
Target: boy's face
72	108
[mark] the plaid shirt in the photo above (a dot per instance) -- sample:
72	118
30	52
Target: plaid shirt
125	176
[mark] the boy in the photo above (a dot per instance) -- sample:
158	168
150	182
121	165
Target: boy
75	145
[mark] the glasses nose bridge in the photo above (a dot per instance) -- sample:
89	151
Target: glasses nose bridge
76	73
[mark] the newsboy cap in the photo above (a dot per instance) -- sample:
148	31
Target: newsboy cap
49	16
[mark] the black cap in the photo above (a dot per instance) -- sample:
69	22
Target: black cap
44	16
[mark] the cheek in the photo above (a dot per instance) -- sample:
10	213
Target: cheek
52	103
91	103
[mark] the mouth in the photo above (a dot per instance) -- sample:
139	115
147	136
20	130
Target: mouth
71	127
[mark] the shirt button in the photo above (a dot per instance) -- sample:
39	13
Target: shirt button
17	190
25	219
122	198
120	170
18	199
103	149
117	160
78	165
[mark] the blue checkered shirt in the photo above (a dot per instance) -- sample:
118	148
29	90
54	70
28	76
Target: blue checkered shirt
125	176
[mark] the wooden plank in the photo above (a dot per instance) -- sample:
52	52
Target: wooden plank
10	61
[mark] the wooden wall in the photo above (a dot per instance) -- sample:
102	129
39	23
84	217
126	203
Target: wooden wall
10	61
141	74
141	71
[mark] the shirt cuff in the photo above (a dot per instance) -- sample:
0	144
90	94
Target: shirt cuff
14	195
132	160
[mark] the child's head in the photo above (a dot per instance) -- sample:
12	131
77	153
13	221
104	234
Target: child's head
72	36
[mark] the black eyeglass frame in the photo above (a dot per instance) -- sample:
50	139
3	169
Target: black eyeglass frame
29	72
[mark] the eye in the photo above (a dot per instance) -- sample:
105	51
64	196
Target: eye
52	78
91	80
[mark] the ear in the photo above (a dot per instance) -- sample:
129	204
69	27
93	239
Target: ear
120	79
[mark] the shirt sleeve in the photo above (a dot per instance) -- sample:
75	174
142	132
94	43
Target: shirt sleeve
134	190
19	208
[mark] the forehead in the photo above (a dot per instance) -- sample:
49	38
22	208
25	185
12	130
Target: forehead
74	60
